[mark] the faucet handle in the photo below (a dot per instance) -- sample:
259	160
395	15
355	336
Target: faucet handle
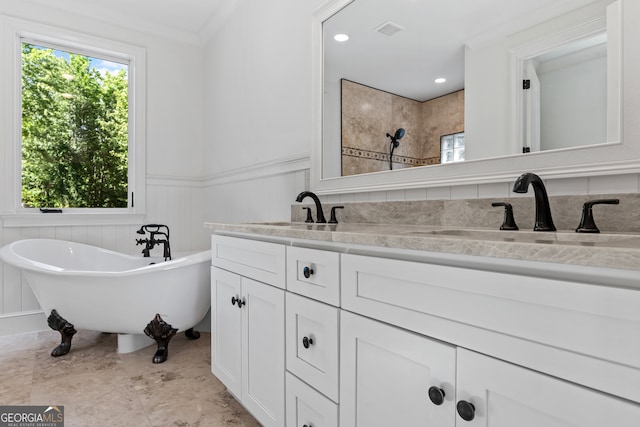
309	217
587	223
508	223
333	219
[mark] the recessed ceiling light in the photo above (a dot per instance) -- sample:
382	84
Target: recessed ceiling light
341	37
440	80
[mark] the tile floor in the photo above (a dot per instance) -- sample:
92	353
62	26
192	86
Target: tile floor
100	387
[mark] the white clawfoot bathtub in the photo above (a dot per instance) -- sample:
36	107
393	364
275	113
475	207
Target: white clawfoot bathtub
102	290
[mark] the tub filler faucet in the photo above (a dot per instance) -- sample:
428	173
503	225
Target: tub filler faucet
153	240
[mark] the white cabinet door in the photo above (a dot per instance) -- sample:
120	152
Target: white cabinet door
247	344
386	374
506	395
263	358
226	339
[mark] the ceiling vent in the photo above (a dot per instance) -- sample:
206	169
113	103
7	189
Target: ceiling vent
389	28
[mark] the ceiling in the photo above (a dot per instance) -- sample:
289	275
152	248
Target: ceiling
189	20
432	43
430	46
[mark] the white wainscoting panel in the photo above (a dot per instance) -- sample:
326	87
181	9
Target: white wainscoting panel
176	202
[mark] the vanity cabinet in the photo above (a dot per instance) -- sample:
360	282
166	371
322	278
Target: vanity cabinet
247	316
391	376
369	336
507	320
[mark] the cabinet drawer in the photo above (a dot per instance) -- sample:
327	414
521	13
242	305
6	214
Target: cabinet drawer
314	273
305	406
312	343
600	321
262	261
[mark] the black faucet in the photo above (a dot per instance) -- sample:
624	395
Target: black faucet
154	230
544	222
319	213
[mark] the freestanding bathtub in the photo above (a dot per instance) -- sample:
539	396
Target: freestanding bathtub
88	287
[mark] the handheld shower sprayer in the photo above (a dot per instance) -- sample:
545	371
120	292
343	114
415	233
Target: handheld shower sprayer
395	138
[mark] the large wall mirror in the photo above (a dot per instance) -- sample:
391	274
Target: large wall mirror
529	86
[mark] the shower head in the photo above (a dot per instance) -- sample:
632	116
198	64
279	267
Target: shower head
396	137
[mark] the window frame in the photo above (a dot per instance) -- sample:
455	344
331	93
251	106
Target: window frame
19	31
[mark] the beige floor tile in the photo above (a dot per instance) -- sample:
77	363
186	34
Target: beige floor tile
100	387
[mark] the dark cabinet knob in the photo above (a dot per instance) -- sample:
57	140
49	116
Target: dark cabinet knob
436	395
306	342
307	272
466	410
235	300
307	425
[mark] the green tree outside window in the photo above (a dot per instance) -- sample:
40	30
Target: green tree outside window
74	131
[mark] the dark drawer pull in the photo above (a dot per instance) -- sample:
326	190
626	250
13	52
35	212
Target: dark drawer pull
307	272
307	342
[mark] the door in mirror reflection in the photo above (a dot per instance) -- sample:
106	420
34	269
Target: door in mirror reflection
565	95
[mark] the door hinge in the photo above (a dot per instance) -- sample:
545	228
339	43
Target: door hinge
526	84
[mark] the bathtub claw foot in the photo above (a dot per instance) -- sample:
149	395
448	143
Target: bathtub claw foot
191	334
67	331
162	332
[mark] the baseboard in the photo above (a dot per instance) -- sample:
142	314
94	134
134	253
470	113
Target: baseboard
22	323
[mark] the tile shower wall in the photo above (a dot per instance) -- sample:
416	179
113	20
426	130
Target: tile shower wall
368	114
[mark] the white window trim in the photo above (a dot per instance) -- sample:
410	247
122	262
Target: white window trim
11	212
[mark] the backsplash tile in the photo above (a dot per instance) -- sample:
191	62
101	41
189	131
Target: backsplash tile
566	212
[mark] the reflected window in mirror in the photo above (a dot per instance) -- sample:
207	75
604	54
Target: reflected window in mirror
452	148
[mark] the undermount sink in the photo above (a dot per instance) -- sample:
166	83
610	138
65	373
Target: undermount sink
524	236
273	224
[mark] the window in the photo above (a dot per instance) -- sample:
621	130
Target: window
74	135
452	148
75	112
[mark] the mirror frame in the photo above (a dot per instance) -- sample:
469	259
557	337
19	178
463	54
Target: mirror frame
614	158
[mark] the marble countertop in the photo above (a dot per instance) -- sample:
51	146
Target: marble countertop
614	250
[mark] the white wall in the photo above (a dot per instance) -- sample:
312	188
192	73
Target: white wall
174	162
246	101
258	110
